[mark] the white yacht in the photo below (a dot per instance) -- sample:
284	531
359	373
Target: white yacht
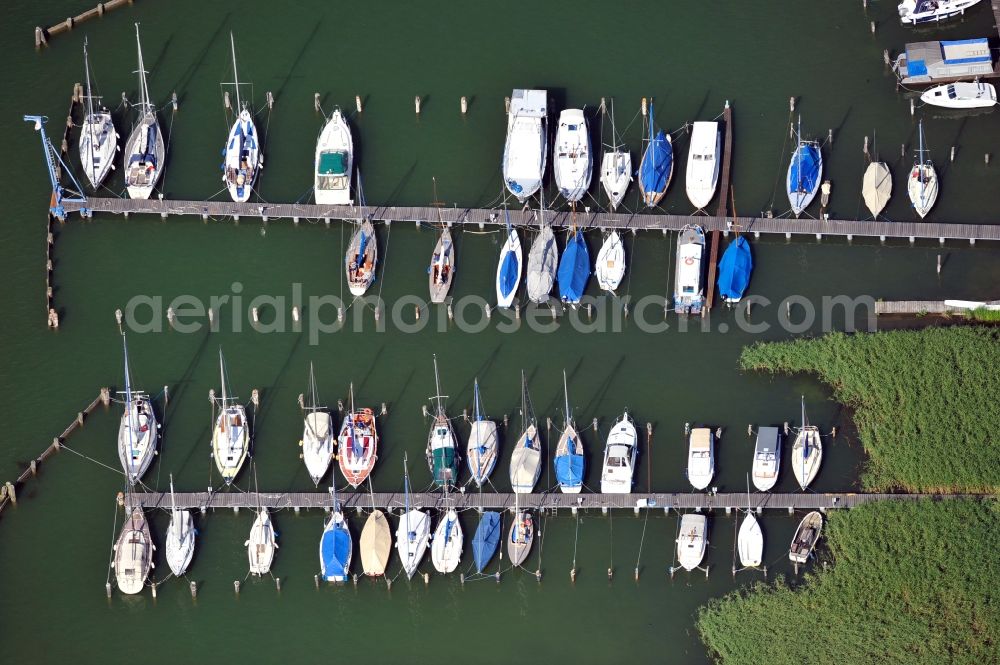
180	537
231	435
701	457
261	543
446	547
133	552
527	143
619	457
807	452
144	149
689	279
876	187
766	458
317	433
750	542
610	264
692	540
573	161
526	457
98	137
704	158
138	431
243	157
961	95
916	12
334	162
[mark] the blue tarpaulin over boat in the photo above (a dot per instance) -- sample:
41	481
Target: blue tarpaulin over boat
574	269
335	552
803	174
734	269
508	272
362	245
484	543
656	164
569	470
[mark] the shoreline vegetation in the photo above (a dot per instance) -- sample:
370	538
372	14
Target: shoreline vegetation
924	401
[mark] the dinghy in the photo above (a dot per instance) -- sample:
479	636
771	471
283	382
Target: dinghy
441	452
520	538
441	271
180	536
734	270
573	162
133	553
527	143
243	158
657	165
876	187
692	540
701	457
138	431
807	451
922	183
806	536
486	540
574	269
526	458
543	259
481	452
413	532
231	435
317	434
805	172
961	95
98	137
689	288
446	547
750	542
362	257
376	544
334	161
610	265
569	459
766	458
358	444
616	167
619	457
509	267
335	547
144	149
917	12
261	543
703	163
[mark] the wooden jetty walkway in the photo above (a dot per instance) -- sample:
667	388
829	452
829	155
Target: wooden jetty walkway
921	307
497	501
42	35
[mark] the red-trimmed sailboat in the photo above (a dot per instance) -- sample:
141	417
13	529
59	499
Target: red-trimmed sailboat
358	444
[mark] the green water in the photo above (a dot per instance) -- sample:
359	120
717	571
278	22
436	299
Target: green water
691	56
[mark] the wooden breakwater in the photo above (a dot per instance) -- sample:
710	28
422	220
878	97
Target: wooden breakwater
8	492
42	35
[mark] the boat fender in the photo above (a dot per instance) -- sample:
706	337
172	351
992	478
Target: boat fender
689	261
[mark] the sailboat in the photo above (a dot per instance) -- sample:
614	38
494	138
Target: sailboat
876	186
806	536
526	146
526	458
334	161
657	166
692	540
413	532
961	95
144	149
569	460
441	271
133	553
807	451
138	431
734	270
805	172
261	544
610	265
701	457
98	137
574	269
231	435
243	159
335	546
922	184
543	258
509	267
750	540
446	547
520	537
573	161
703	163
376	544
481	452
616	167
619	457
689	286
358	443
766	458
180	536
362	257
442	456
918	12
486	539
317	434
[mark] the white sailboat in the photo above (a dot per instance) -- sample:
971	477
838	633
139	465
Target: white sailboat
807	451
413	532
701	457
766	458
336	547
750	540
446	547
543	260
98	137
441	451
231	435
481	452
526	146
569	459
261	544
361	259
610	264
961	95
526	457
144	149
133	553
180	536
317	434
692	540
619	457
573	161
876	187
509	267
138	431
922	183
521	536
441	271
334	162
358	442
616	167
703	163
243	157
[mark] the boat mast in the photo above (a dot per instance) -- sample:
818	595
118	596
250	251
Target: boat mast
406	499
90	113
312	388
566	395
476	406
652	152
920	155
236	79
798	158
437	388
143	90
128	377
222	377
173	508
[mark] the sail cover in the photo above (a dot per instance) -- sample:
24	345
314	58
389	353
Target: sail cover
569	469
444	464
335	550
362	246
486	540
574	269
508	272
734	269
656	164
803	172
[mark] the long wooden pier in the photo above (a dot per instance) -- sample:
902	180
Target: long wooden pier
498	501
921	307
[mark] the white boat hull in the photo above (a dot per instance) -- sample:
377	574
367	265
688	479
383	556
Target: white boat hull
137	438
446	548
572	161
360	269
333	163
143	164
619	457
243	158
261	544
317	444
513	244
98	144
961	95
915	12
616	175
610	264
543	260
701	457
526	146
922	187
180	542
750	542
692	540
806	467
526	462
481	451
412	534
703	163
230	441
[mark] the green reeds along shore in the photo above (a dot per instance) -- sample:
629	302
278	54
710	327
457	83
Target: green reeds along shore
925	402
912	583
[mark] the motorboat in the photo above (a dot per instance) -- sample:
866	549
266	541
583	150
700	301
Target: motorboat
334	162
692	540
573	161
701	457
619	457
689	285
766	458
527	143
704	159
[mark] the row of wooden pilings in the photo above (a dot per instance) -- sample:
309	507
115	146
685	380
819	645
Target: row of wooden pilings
42	35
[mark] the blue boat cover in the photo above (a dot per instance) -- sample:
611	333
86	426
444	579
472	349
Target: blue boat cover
508	272
150	155
363	244
569	470
734	269
803	174
656	164
574	269
486	540
335	550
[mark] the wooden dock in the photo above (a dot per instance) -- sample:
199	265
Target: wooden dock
42	35
921	307
236	500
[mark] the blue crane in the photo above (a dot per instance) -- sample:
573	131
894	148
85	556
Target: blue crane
51	156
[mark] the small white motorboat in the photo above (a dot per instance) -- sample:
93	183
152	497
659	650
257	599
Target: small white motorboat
750	542
362	258
703	163
701	457
619	457
916	12
766	458
446	547
689	282
180	537
573	161
961	95
807	451
876	187
692	540
334	161
133	553
806	536
261	544
922	183
525	150
610	265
